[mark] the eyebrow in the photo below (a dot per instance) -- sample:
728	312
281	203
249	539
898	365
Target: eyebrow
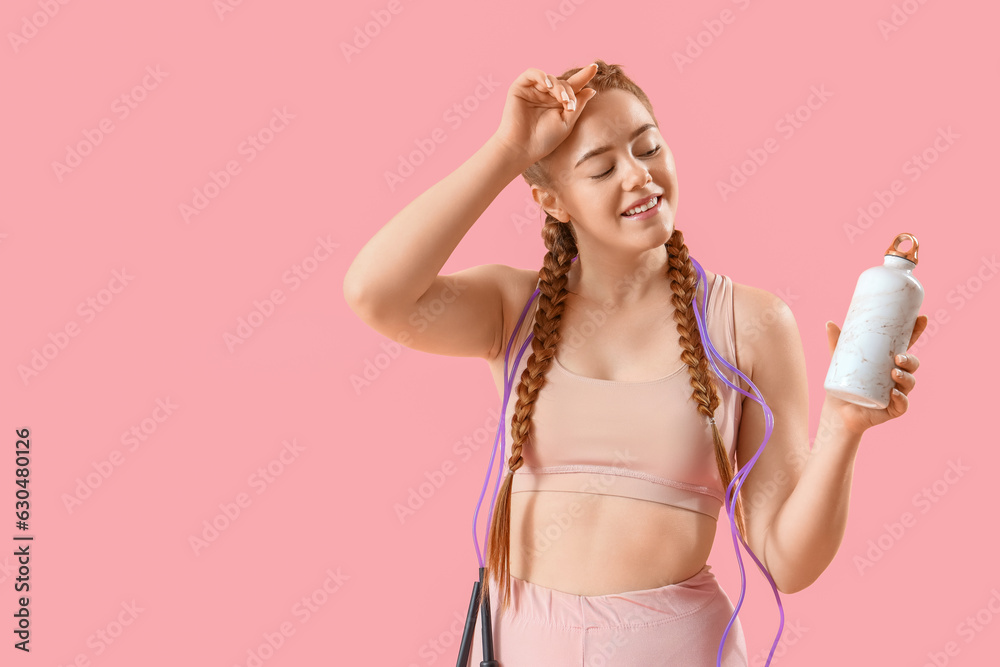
602	149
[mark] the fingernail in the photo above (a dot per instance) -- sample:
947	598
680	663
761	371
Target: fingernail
547	82
565	96
901	358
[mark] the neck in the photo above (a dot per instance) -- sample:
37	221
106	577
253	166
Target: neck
620	280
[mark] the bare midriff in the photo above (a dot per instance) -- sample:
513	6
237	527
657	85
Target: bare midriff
591	544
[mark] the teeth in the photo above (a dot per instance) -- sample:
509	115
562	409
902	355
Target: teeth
640	209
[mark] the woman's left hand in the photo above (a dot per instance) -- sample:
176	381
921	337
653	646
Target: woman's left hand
857	418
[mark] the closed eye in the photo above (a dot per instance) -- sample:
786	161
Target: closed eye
654	151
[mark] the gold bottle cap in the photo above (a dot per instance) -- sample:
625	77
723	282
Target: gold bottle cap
910	254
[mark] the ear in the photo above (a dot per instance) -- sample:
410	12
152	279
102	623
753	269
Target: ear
549	203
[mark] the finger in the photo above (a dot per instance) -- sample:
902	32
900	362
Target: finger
532	78
910	363
565	94
900	401
904	381
832	336
536	79
918	328
583	97
552	91
545	86
580	79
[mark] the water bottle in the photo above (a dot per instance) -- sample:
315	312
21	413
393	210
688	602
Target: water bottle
878	326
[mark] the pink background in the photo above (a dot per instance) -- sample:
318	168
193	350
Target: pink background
393	590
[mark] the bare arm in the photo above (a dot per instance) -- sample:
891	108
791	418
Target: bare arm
399	264
394	284
798	497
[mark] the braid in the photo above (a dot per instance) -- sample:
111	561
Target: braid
561	244
683	282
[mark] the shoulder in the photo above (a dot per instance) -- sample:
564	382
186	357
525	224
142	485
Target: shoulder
764	323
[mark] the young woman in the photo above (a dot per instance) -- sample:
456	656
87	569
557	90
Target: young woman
621	440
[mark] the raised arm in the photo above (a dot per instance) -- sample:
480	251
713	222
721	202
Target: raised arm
394	285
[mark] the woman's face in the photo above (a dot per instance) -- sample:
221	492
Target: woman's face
594	190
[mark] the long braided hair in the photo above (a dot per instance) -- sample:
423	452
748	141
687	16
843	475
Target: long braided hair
561	244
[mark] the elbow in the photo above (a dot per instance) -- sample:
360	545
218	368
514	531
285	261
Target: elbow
787	585
352	292
358	301
367	304
357	294
791	574
785	589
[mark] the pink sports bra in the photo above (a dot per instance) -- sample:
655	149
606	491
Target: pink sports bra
643	440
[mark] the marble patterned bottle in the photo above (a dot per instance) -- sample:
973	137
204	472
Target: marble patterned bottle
877	327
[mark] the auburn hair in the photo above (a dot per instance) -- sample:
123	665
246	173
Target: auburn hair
561	244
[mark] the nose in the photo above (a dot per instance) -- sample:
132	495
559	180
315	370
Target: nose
636	175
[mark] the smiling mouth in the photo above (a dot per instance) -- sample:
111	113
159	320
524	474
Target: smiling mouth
652	203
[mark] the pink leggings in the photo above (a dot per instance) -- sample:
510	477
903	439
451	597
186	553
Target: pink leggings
678	625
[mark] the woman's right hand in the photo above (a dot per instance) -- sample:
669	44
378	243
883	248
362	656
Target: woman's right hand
537	117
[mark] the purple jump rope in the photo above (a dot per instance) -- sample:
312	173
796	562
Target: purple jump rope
731	492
